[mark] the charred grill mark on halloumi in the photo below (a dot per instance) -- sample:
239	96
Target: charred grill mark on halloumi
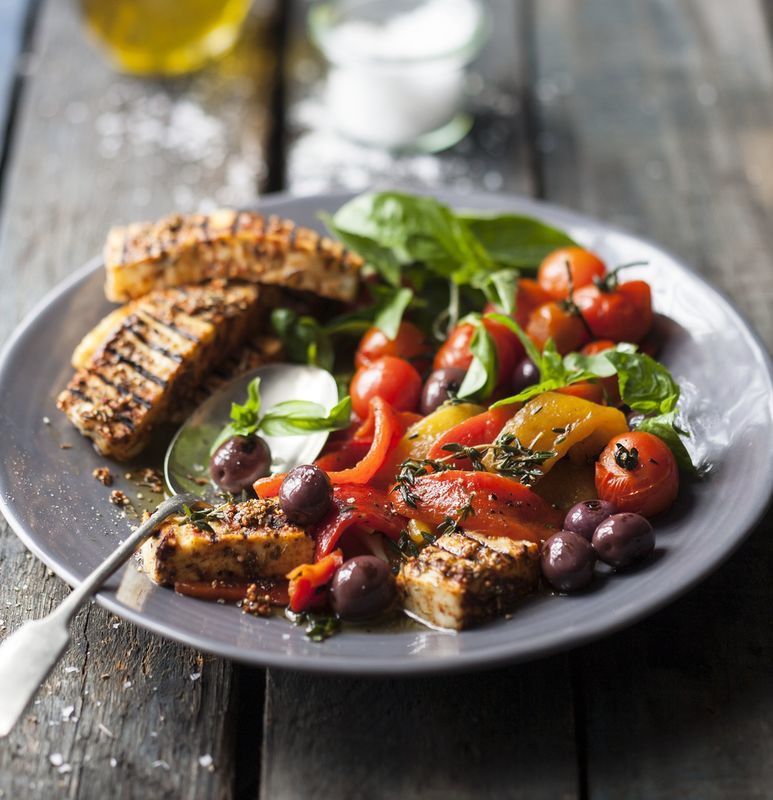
229	244
133	372
463	579
247	541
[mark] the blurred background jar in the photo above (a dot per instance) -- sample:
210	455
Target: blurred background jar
165	37
397	68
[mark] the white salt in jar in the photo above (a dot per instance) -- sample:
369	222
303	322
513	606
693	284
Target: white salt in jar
396	74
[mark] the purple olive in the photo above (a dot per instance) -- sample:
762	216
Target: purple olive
567	561
362	587
441	385
623	539
306	494
525	374
239	462
585	517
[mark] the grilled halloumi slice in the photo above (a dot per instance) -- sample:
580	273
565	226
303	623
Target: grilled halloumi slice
237	542
134	371
463	579
230	244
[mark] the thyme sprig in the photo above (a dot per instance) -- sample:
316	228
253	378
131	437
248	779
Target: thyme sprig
317	627
199	517
508	457
451	525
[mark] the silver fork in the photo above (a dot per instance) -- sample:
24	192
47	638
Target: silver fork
30	653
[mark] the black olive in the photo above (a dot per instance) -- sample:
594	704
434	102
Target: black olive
525	374
567	561
623	539
362	587
306	494
239	462
585	517
441	385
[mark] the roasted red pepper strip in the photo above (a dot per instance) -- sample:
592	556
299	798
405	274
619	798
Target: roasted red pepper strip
387	431
500	506
344	456
308	581
357	505
367	429
480	429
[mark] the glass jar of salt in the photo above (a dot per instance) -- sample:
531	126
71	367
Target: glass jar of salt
396	75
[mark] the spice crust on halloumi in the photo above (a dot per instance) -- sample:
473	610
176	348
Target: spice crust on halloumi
465	578
243	245
238	542
136	368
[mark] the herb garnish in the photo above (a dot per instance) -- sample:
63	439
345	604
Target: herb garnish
508	457
318	627
290	418
199	517
451	525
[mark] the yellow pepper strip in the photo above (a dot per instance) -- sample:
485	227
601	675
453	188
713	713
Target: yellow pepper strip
420	437
565	424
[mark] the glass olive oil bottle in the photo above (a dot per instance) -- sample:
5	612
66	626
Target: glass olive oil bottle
165	37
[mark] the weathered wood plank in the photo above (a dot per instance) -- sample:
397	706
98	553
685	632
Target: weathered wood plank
506	734
658	116
126	714
497	734
13	19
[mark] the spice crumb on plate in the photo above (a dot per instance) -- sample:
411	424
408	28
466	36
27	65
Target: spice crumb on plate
103	475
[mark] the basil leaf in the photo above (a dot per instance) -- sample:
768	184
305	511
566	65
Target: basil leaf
245	418
481	377
645	384
665	428
381	258
304	339
532	391
512	240
531	349
391	313
597	364
296	417
499	287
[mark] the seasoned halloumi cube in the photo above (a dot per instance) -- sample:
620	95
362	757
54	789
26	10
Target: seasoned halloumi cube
235	542
465	578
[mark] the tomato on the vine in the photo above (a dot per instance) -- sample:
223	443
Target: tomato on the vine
637	472
456	352
553	273
392	379
622	313
564	326
410	344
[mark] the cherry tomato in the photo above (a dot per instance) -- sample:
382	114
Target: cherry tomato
623	314
390	378
553	275
638	473
456	352
410	344
530	295
553	321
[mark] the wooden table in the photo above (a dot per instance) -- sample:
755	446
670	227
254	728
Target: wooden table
656	115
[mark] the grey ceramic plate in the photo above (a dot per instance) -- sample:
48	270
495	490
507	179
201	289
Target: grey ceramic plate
61	513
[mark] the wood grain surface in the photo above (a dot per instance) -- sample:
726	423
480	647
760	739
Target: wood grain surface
655	115
126	714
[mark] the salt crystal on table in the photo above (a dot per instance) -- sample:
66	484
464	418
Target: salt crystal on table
67	712
113	762
194	676
68	670
159	763
205	760
127	684
57	759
